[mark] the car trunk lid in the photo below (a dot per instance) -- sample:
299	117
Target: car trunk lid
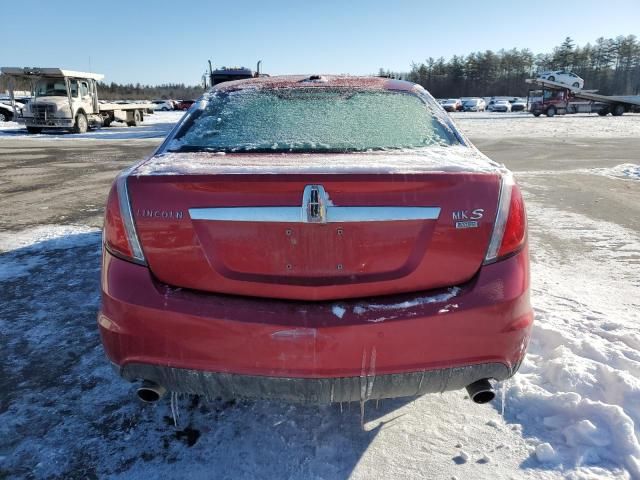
311	235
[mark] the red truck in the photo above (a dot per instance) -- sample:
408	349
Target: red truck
559	99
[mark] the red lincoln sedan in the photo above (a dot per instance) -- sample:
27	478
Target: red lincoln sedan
318	239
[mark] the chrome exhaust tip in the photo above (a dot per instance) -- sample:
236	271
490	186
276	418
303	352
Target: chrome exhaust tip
481	391
150	392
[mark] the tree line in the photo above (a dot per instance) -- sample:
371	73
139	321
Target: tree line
610	65
116	91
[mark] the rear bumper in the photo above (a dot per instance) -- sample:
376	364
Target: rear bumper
313	390
406	344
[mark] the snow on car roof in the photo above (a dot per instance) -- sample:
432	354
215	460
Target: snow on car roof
339	81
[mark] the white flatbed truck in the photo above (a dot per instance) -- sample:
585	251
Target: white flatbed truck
65	99
560	98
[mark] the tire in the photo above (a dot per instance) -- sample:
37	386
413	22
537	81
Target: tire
576	85
137	118
34	129
536	114
107	122
604	112
165	109
551	111
552	78
617	110
81	125
5	116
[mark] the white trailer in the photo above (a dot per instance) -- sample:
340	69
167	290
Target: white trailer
560	98
66	99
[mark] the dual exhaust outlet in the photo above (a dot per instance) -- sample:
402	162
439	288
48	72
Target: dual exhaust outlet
480	391
150	392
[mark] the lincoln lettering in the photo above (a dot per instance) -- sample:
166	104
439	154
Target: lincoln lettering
164	214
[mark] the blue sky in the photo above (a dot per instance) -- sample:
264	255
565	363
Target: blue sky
170	41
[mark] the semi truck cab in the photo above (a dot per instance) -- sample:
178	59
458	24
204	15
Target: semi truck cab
67	99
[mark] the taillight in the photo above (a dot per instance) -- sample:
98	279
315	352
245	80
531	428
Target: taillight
119	234
510	228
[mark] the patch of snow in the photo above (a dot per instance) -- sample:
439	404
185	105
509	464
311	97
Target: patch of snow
377	320
524	124
578	389
338	311
156	125
56	236
462	457
442	297
630	171
625	171
294	333
545	453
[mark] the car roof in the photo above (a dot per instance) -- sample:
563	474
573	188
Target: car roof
300	81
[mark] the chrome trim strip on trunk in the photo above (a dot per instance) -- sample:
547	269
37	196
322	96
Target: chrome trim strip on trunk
299	215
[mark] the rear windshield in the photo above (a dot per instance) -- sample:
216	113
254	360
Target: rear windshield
312	120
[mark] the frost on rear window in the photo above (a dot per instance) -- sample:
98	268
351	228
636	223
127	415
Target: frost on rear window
312	119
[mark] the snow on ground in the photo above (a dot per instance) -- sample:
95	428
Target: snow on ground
523	124
628	171
571	412
156	125
579	387
64	413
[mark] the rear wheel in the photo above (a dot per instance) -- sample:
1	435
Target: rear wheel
5	116
107	121
551	111
536	114
34	129
552	78
617	110
603	112
576	85
137	118
81	125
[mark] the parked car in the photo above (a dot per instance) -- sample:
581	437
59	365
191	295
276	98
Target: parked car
6	112
164	105
562	76
473	105
371	268
519	105
185	104
452	105
500	106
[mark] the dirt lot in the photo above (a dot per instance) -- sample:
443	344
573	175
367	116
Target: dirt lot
64	413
